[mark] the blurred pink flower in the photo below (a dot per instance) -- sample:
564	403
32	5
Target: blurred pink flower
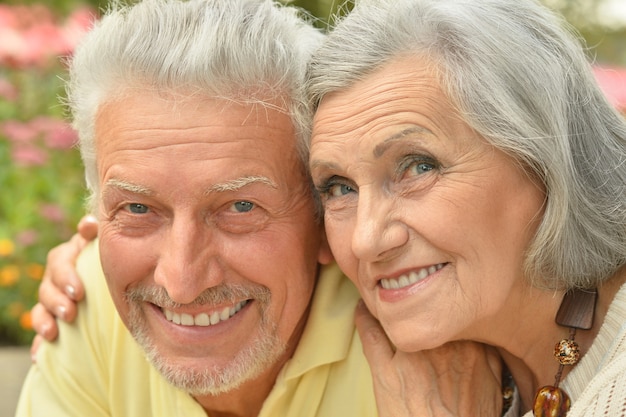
29	155
32	36
612	80
8	18
41	43
81	19
11	47
64	137
57	133
27	237
52	212
17	131
7	90
76	25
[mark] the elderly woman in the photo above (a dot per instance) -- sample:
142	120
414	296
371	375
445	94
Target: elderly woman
473	178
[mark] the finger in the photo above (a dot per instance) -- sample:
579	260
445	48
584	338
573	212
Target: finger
55	302
34	347
88	227
376	346
44	324
494	360
61	268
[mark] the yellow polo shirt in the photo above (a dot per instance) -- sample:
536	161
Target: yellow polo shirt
96	368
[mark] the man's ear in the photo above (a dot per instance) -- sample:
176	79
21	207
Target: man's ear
324	256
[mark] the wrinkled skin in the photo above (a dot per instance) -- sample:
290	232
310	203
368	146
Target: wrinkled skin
436	383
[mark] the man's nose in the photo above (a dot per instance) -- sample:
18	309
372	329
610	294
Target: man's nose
187	263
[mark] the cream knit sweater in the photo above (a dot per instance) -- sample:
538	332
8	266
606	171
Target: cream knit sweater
597	385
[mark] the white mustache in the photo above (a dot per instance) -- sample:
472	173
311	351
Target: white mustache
224	293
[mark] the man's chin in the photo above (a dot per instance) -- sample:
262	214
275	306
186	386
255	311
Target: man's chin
204	376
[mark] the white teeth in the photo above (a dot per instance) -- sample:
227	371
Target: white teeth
411	278
403	281
186	319
203	319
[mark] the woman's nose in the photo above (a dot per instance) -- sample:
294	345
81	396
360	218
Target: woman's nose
378	229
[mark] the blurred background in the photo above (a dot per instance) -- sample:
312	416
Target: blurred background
41	180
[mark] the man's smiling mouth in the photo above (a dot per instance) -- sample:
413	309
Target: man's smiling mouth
204	319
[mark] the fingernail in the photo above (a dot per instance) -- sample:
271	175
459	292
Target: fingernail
70	291
60	312
45	329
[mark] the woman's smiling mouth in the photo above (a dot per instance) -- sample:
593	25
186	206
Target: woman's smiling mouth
411	278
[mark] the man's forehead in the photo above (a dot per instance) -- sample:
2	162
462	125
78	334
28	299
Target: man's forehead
150	112
233	150
251	102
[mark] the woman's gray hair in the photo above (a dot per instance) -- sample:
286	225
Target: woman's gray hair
518	75
249	51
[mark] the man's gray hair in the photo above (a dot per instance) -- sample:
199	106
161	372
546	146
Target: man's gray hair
247	51
518	75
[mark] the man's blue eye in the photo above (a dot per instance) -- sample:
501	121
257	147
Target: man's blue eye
243	206
137	208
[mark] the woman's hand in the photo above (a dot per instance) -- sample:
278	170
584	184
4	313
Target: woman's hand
457	379
61	288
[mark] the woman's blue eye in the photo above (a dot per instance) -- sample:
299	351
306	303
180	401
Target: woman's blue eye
337	190
243	206
419	166
137	208
422	167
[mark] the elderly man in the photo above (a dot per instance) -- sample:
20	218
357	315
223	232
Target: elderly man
209	241
193	128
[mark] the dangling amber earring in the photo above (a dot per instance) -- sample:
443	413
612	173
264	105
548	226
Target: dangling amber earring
576	312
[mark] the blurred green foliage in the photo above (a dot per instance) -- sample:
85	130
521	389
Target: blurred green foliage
60	7
40	170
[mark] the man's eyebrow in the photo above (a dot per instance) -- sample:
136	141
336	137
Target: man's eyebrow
128	186
382	147
238	183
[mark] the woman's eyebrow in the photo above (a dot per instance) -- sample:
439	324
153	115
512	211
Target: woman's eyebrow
382	147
